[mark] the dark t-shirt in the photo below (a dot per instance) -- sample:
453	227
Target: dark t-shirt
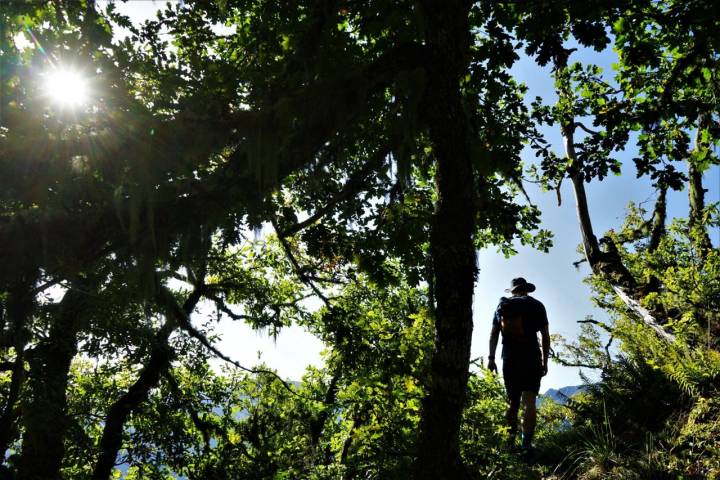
534	318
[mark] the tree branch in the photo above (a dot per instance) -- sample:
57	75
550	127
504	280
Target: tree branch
317	424
353	185
644	314
222	306
657	229
597	323
204	427
579	262
607	348
83	234
159	362
166	299
566	363
118	413
296	266
588	130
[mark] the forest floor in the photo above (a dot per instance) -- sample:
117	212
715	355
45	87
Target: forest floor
539	466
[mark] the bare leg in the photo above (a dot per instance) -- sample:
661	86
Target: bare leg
511	417
529	417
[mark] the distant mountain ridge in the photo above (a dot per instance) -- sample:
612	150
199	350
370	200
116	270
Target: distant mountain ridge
562	395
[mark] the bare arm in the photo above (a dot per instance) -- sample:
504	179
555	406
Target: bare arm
545	333
494	335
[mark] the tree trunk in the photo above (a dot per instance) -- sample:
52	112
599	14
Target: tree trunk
696	196
44	411
452	248
657	227
20	306
608	264
589	240
699	236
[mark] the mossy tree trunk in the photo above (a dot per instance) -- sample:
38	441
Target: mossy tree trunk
452	247
696	193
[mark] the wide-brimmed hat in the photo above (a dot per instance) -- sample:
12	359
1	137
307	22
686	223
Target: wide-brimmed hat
520	284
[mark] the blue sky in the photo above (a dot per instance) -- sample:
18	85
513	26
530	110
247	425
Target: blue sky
559	284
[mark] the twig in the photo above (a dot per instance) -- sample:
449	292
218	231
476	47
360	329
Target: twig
607	348
588	130
183	320
557	192
579	262
602	325
296	265
566	363
43	286
222	306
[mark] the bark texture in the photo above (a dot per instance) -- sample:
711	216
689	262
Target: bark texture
44	411
452	248
696	194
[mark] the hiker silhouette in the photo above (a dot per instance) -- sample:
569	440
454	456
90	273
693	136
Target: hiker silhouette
519	319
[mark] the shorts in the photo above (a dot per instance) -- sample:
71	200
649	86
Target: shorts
521	375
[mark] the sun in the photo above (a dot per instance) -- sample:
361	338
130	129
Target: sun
66	87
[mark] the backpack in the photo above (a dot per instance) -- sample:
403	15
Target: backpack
511	323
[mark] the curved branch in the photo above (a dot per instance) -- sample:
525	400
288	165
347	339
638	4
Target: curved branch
566	363
296	266
165	298
159	362
588	130
607	348
353	185
119	412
